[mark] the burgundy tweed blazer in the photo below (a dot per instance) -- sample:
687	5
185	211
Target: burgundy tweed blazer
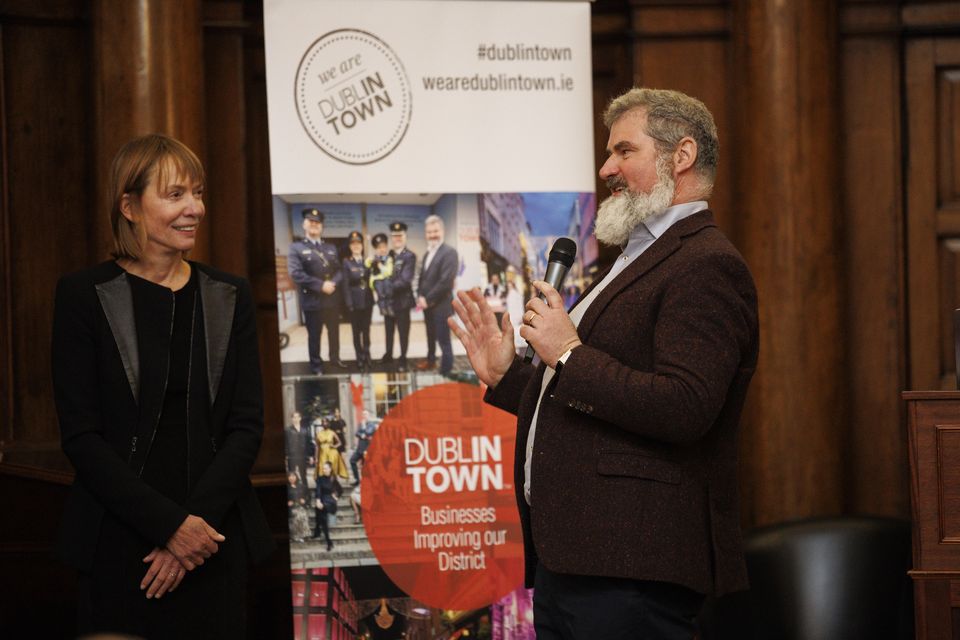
635	460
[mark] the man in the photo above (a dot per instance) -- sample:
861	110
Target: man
298	447
338	425
315	266
401	281
365	431
435	293
496	296
637	400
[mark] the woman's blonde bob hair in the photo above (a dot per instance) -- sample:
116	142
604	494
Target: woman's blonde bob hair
150	157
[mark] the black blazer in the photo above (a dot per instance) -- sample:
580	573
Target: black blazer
436	281
644	416
107	416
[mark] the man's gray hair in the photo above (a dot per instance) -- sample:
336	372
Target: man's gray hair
671	116
433	218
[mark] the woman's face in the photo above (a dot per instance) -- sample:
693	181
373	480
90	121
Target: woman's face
327	469
382	249
356	248
169	214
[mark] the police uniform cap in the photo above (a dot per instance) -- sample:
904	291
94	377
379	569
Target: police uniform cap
355	236
380	238
398	227
313	214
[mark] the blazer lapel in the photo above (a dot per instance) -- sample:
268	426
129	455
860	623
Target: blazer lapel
660	250
219	300
116	300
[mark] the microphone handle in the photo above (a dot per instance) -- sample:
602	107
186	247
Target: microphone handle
555	275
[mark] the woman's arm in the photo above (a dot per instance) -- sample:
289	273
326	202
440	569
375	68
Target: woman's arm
77	382
228	474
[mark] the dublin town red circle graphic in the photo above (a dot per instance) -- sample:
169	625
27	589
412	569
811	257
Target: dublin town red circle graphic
439	506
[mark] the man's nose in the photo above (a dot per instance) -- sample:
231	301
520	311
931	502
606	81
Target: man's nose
609	168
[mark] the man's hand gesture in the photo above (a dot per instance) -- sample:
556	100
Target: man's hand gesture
489	347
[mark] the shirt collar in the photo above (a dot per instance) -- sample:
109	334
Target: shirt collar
645	233
658	225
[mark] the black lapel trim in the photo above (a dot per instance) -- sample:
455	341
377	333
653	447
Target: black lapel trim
219	300
117	302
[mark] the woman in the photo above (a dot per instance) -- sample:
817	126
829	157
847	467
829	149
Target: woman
327	494
328	449
298	495
157	385
359	300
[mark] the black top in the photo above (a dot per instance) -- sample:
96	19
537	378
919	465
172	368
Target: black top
182	447
111	351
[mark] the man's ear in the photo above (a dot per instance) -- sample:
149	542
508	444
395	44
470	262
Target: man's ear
685	155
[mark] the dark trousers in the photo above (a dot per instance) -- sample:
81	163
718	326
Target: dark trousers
316	321
569	607
298	466
321	524
357	457
400	320
360	324
438	331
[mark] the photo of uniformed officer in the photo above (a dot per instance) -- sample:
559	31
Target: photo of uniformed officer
358	299
401	280
314	266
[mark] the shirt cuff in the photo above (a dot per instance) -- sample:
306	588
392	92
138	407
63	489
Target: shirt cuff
562	360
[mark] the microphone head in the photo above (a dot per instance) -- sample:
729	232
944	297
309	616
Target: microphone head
564	251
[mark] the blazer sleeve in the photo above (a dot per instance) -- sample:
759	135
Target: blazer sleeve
228	475
76	386
705	333
509	391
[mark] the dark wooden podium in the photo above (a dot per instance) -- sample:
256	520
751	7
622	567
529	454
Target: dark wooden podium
933	421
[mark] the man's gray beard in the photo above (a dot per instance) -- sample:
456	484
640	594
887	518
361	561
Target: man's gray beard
617	216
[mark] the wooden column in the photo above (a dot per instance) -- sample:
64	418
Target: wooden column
148	77
787	186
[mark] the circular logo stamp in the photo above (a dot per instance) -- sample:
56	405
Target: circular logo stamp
353	96
438	500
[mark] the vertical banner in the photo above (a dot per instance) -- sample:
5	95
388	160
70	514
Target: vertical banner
417	148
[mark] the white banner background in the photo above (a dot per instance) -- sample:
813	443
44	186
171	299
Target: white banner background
457	141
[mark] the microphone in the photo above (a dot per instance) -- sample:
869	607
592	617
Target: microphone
558	263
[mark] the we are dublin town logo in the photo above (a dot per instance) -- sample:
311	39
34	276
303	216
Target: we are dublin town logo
353	96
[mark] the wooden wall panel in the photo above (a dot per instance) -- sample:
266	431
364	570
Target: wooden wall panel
227	221
6	319
874	443
933	69
261	258
788	186
47	201
948	138
698	65
948	280
612	75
